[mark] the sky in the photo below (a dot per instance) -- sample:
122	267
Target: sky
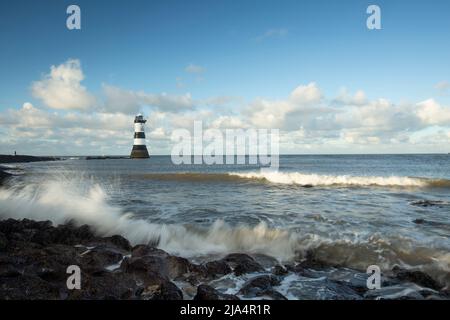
311	69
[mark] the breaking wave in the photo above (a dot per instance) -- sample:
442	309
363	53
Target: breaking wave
341	180
302	179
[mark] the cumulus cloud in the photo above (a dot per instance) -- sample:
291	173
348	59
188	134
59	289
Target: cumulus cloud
62	89
345	98
431	112
302	101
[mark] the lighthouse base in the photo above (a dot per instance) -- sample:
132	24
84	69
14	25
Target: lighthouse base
139	152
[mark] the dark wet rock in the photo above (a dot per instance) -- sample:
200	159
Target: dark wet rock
307	186
4	158
101	256
62	234
279	270
205	292
105	286
242	263
432	223
4	175
217	268
260	282
310	261
3	242
417	277
166	290
264	260
150	269
142	250
153	265
118	241
27	287
330	290
429	203
9	271
34	266
395	292
262	286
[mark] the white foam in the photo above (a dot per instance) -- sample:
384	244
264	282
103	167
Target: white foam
330	180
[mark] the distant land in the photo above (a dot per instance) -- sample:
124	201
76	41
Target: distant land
4	158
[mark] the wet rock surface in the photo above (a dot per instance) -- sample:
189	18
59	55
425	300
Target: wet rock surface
205	292
418	277
262	286
4	175
35	255
242	263
429	203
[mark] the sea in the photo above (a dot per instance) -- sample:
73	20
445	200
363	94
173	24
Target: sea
350	210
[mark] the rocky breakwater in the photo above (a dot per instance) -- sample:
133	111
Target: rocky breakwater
34	257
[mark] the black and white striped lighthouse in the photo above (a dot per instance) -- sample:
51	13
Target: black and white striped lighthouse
139	148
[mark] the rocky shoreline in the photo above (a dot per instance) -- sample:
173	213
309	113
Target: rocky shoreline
34	256
4	158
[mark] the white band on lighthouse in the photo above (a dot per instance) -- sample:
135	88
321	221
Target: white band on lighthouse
138	127
139	142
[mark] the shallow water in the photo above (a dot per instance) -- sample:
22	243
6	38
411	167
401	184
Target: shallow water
351	210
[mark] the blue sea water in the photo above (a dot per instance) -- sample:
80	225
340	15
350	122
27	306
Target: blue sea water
353	210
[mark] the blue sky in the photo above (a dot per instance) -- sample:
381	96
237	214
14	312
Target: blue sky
247	50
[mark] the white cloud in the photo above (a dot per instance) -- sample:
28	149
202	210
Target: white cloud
345	98
131	102
306	94
302	101
432	113
62	89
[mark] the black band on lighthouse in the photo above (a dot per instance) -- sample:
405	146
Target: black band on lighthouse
139	147
139	135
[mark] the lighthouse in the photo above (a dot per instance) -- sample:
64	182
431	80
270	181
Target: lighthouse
139	148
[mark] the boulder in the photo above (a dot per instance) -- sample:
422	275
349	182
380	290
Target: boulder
279	270
242	263
166	290
262	286
417	277
217	268
205	292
